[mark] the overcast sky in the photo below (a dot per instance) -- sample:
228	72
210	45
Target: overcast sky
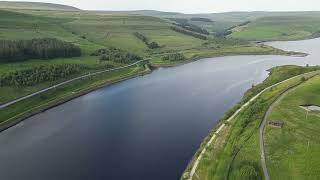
193	6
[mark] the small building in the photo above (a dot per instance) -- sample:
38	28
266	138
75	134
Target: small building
312	108
276	124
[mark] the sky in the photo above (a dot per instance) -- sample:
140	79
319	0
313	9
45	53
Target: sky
193	6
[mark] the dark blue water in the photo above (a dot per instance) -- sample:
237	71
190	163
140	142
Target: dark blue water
145	128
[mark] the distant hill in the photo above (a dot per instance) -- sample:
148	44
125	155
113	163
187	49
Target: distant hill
226	16
35	5
221	22
272	28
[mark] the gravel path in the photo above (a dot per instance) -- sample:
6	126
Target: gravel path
261	132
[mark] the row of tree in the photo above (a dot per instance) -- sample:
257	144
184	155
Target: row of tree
174	57
46	48
192	27
189	33
39	74
201	19
229	31
145	40
116	55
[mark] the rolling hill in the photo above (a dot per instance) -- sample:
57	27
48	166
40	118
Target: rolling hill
280	28
35	5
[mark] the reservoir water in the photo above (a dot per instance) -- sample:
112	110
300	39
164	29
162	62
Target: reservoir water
141	129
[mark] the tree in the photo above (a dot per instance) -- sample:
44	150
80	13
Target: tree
153	45
145	40
116	55
174	57
46	48
38	74
189	33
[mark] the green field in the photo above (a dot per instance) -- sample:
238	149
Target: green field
280	28
235	152
293	151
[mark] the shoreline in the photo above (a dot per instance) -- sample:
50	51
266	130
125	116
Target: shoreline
197	58
25	115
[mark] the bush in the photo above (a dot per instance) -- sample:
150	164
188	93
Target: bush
145	40
174	57
46	48
248	171
116	55
153	45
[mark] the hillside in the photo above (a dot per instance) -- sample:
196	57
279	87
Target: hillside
293	151
108	29
280	28
221	22
35	5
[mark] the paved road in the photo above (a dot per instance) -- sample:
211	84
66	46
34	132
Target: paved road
197	161
261	132
66	82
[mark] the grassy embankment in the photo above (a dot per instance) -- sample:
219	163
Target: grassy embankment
293	152
280	28
235	152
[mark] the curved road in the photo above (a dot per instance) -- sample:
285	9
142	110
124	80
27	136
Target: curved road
197	161
66	82
261	131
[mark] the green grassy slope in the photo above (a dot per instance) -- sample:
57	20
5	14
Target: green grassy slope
117	30
35	5
107	29
17	26
223	21
237	146
280	28
293	152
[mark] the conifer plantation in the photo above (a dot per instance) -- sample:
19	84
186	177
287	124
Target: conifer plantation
46	48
